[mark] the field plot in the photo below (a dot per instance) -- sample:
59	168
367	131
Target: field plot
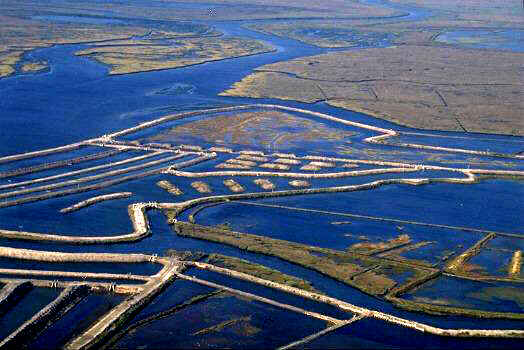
280	132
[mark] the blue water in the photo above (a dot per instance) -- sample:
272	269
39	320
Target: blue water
503	145
448	204
75	321
76	99
32	302
467	294
263	327
374	334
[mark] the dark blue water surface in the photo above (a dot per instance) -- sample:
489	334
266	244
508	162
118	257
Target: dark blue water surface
374	334
75	321
76	99
30	304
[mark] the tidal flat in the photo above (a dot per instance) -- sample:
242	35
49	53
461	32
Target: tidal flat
418	86
148	55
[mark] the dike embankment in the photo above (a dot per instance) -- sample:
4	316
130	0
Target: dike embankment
137	214
101	185
89	178
78	172
294	175
108	139
111	322
51	313
61	257
378	218
172	117
94	200
317	335
80	189
191	217
41	153
456	264
182	206
57	164
408	305
469	175
413	284
288	289
78	275
442	310
345	306
103	287
261	299
384	134
11	293
380	140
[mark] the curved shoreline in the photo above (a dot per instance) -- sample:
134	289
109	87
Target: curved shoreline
95	200
57	164
377	139
136	214
141	226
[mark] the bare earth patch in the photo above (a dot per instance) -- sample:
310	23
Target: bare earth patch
257	129
425	87
149	55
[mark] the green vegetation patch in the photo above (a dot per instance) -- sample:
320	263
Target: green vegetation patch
377	247
451	310
259	271
342	266
149	55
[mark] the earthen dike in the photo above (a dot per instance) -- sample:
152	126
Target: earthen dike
150	286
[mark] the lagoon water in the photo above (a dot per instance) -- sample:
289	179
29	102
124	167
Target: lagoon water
77	99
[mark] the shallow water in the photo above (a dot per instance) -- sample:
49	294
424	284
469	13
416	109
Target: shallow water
468	294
